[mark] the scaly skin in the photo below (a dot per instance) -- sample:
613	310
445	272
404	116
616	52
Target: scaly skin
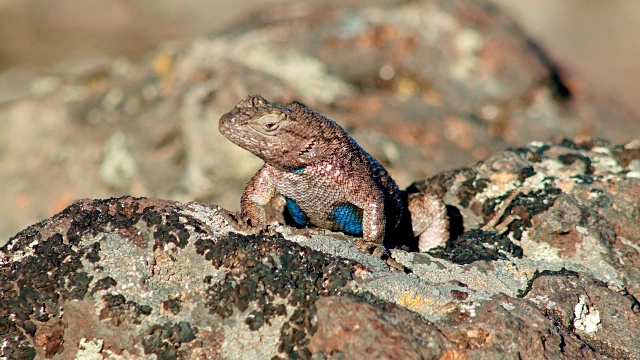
329	181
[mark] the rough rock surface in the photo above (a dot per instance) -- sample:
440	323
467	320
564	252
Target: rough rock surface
423	85
132	277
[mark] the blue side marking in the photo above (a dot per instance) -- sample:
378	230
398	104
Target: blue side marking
297	171
296	213
349	218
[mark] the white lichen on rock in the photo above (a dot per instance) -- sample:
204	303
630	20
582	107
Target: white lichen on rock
587	318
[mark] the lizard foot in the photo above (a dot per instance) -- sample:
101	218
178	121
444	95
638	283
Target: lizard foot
241	225
379	251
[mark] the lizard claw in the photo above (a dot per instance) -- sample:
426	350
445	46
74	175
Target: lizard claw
368	247
379	251
267	230
239	223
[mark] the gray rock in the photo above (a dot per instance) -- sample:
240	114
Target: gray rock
424	86
135	277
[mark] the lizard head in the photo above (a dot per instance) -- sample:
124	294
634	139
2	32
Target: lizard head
286	136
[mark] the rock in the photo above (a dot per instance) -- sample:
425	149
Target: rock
118	167
423	85
576	205
544	257
555	278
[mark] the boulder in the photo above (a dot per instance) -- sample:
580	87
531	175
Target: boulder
556	277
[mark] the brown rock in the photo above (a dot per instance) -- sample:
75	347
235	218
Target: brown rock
352	328
422	85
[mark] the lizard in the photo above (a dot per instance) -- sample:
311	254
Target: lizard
327	179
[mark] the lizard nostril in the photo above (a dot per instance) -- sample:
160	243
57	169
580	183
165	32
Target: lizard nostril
228	119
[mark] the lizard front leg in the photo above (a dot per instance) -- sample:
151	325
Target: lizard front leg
373	230
257	194
371	200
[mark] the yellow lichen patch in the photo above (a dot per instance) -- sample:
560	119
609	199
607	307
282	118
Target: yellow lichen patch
416	303
162	66
425	305
406	86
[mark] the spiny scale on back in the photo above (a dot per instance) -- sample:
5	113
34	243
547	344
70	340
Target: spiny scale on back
328	180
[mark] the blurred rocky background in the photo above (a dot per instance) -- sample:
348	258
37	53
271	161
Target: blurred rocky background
101	99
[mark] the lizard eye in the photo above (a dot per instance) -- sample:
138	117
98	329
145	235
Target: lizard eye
269	123
270	126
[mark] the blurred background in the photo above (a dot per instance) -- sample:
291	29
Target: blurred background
595	40
594	43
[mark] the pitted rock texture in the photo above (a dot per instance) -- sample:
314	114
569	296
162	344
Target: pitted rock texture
145	277
575	204
134	277
423	85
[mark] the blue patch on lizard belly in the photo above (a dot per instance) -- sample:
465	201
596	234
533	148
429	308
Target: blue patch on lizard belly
297	171
296	213
349	218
